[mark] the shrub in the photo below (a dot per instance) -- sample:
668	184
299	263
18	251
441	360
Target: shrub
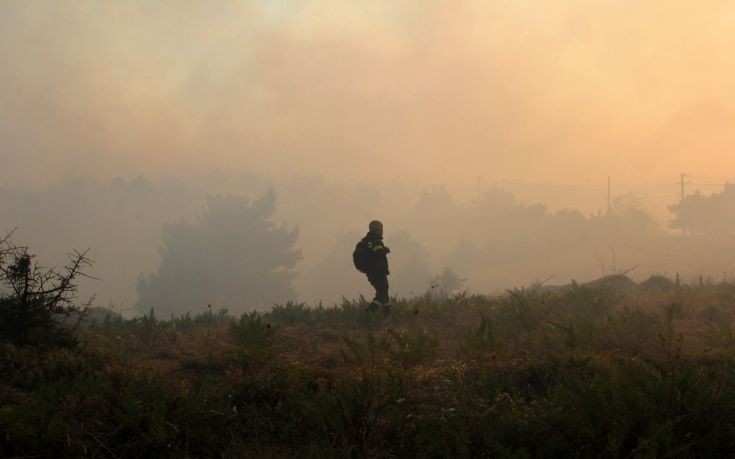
413	348
290	313
254	335
524	309
480	343
36	302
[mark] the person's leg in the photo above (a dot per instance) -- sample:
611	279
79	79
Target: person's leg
375	282
380	284
384	296
381	290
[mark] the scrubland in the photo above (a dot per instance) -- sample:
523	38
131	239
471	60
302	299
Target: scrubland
606	369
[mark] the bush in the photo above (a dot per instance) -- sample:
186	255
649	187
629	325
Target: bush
414	348
480	343
254	336
290	313
36	303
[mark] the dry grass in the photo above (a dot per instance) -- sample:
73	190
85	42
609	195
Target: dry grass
582	371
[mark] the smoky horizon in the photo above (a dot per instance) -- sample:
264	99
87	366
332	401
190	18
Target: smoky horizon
508	142
482	241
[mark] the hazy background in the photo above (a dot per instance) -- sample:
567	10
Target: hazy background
356	110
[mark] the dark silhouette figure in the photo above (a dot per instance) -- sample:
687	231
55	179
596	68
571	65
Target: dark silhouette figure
374	263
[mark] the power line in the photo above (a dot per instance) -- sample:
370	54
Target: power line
654	196
706	184
726	179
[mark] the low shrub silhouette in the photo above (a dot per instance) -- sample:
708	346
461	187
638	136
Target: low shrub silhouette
36	302
253	335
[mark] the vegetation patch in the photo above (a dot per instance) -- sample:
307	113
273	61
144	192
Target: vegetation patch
584	370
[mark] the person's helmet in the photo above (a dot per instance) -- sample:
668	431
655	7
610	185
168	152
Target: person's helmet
376	226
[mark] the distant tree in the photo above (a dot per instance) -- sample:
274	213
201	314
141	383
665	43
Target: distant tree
435	215
708	215
410	265
499	217
36	302
438	200
446	282
233	255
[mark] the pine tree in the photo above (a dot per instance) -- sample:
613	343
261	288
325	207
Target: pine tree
232	256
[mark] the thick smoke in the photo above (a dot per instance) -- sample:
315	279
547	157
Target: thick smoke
435	91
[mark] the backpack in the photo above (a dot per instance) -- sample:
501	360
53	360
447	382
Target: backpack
360	257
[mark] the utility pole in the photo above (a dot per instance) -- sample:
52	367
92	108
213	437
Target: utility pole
681	183
608	195
682	179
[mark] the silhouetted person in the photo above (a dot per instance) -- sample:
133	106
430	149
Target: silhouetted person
370	258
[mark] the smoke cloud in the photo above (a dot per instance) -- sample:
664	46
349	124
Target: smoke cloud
436	91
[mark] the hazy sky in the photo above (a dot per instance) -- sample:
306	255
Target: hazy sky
438	91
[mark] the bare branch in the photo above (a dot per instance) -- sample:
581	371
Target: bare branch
34	297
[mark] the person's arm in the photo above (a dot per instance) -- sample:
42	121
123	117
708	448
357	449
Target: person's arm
378	248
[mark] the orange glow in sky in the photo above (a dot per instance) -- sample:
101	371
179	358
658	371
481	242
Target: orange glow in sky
436	91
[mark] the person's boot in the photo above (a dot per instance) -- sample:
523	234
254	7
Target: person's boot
386	309
373	306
